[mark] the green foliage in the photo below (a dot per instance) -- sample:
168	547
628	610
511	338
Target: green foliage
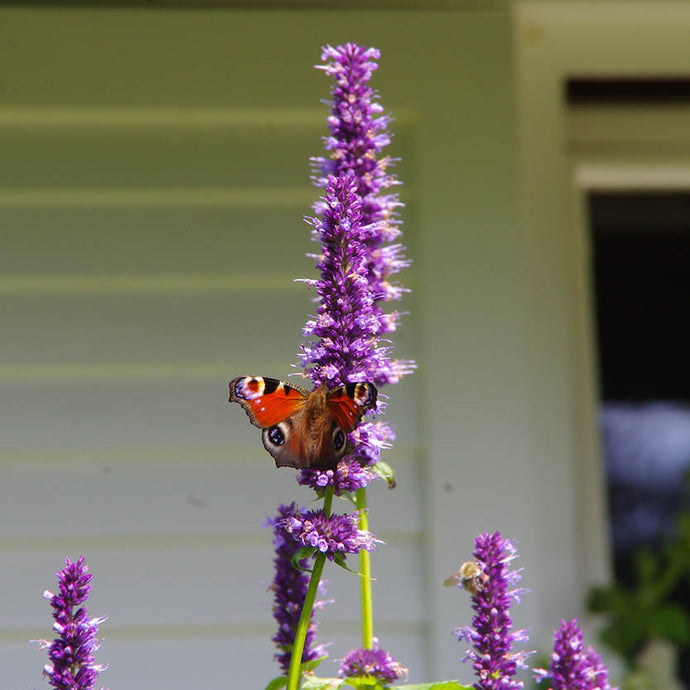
277	683
647	610
385	471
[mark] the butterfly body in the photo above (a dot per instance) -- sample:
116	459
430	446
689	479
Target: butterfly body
301	428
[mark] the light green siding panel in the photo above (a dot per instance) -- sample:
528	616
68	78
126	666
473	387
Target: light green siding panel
142	496
129	203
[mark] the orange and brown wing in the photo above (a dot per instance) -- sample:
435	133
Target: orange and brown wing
347	404
266	401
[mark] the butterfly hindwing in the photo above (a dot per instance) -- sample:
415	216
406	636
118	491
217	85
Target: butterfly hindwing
267	401
347	404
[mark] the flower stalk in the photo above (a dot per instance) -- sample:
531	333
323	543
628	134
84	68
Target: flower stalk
365	575
294	670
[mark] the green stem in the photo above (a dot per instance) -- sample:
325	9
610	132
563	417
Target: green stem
294	674
365	575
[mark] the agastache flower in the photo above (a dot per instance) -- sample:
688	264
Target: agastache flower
289	589
334	536
571	667
597	671
345	326
373	663
71	655
346	348
492	635
358	135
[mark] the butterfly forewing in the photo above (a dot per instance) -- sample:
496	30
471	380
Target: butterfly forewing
266	401
348	403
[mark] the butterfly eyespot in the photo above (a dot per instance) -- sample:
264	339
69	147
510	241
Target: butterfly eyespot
276	436
339	440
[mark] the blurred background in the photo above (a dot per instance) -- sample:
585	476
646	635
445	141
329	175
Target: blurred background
153	178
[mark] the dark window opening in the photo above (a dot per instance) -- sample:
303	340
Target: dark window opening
608	90
641	270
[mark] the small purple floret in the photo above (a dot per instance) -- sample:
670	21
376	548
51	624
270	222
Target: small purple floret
347	477
492	635
71	654
376	663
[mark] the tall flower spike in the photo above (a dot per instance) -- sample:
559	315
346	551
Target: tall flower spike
571	667
492	635
345	326
71	655
289	589
344	346
358	135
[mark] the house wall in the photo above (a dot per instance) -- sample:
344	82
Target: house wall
151	193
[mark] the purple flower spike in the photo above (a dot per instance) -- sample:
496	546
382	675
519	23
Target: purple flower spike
71	655
357	225
334	536
358	136
492	633
346	349
375	663
289	589
597	673
571	667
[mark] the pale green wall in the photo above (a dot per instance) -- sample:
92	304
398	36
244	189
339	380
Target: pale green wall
463	419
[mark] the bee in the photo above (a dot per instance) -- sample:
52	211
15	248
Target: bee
470	576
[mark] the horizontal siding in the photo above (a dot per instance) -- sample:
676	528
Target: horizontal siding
125	412
149	258
172	494
141	157
177	586
250	234
193	662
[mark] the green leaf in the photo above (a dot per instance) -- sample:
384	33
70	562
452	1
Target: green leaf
277	683
301	554
316	683
646	566
671	622
339	559
309	666
438	685
363	683
385	471
609	599
350	496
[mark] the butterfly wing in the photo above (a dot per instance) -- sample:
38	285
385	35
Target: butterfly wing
275	407
347	404
267	402
302	428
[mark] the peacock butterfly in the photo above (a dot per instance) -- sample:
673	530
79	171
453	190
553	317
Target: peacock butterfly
301	428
